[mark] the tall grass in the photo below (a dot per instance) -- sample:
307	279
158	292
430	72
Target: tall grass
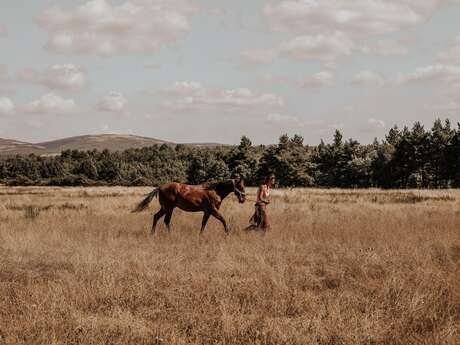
337	267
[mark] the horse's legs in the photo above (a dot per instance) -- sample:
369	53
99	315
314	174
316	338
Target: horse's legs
168	216
204	221
217	215
157	217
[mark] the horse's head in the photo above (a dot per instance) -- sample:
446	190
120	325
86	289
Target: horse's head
239	190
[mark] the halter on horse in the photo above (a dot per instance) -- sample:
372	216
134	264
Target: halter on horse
205	198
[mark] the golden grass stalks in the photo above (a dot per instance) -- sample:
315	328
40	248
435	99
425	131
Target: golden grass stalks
337	267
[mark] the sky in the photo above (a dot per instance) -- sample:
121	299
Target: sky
212	71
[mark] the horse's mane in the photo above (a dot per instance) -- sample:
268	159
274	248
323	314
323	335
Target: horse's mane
217	184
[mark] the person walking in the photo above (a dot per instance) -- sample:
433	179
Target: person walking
260	218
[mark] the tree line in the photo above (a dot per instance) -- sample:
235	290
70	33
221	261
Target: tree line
405	158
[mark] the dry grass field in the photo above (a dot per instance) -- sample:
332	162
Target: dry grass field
338	267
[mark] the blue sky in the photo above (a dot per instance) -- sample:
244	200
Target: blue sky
200	71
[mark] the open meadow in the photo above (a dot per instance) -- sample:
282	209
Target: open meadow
337	267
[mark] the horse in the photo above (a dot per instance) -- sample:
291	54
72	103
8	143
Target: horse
205	198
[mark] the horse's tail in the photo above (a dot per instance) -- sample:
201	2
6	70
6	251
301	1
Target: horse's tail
146	202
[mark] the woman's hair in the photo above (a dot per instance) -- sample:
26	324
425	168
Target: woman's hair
268	178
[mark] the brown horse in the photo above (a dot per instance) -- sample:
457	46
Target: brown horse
205	198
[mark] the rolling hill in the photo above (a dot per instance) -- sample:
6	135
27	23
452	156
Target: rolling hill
113	142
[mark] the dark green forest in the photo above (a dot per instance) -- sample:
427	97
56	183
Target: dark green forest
406	158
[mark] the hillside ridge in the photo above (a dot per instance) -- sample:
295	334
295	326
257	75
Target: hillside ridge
112	142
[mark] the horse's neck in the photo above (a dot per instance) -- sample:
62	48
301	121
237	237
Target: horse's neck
224	190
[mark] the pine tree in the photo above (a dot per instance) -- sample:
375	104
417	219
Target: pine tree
242	161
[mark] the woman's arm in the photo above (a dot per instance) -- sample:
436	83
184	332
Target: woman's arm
259	194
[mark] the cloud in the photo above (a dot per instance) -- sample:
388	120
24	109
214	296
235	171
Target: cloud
318	80
101	28
293	122
368	78
386	48
277	119
7	106
353	17
452	55
114	102
314	81
192	96
376	124
328	29
50	104
67	77
322	47
325	48
430	74
185	88
3	30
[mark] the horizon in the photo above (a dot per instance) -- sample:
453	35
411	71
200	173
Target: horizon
198	71
325	140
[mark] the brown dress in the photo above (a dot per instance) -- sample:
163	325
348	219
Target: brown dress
260	217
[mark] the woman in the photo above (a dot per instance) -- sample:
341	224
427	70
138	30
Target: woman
260	218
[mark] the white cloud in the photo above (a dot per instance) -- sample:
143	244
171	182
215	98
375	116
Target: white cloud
375	123
114	102
185	88
322	47
50	104
294	122
368	78
99	27
277	119
192	96
353	17
314	81
7	106
325	48
386	48
328	29
318	80
452	55
432	73
66	77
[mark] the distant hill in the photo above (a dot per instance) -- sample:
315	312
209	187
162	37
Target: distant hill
112	142
14	146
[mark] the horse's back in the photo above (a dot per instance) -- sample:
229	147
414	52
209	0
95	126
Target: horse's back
176	188
187	197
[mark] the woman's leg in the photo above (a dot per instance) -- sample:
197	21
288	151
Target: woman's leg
254	222
264	225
